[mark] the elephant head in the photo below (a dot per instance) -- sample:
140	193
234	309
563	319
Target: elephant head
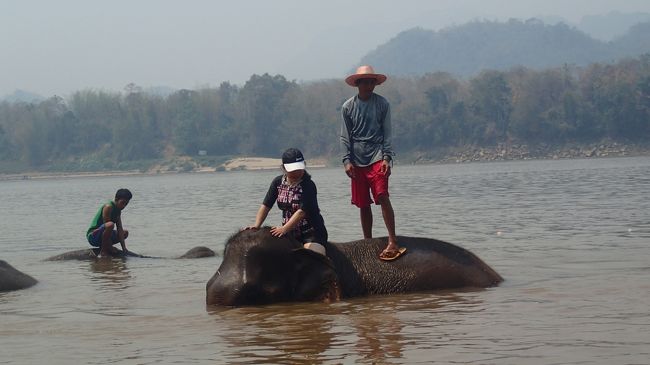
259	268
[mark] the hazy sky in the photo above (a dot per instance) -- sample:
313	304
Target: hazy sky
57	47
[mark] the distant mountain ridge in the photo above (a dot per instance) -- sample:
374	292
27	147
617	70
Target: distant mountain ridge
467	49
22	96
612	25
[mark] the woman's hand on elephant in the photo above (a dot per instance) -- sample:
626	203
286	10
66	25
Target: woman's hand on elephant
249	227
278	231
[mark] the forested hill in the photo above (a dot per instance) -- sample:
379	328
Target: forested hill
470	48
93	130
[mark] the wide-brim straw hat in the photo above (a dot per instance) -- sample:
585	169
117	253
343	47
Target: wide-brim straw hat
365	72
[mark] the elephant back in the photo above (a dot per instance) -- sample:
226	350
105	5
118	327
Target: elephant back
428	264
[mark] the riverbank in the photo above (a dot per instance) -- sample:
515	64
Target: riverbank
503	152
455	155
179	164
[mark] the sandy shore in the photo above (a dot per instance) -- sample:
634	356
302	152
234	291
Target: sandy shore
252	163
264	163
236	164
35	175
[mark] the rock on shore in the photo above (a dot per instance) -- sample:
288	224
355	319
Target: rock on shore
503	152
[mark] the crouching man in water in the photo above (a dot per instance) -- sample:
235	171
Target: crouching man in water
296	195
106	228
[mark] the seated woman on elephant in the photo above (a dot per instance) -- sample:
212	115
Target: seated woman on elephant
296	195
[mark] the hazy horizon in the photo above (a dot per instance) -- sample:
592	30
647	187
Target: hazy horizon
60	47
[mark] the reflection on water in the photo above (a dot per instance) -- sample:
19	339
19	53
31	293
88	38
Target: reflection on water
370	330
569	237
270	334
111	273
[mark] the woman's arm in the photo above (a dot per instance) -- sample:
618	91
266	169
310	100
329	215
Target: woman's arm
290	225
267	204
262	213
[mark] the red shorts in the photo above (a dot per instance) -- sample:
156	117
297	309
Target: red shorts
368	179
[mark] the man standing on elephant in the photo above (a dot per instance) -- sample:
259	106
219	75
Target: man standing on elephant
368	153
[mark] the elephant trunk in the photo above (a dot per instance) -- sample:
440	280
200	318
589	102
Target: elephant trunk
222	296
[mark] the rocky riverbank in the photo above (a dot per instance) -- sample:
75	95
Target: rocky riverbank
503	152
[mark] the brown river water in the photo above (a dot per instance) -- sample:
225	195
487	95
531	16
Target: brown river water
570	237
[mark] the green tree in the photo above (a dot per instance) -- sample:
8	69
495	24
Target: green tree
225	136
490	101
137	135
260	103
186	121
97	112
5	145
546	107
643	105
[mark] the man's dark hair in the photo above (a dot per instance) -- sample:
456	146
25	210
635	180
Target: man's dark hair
123	194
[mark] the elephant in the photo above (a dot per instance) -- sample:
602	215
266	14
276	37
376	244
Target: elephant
91	254
197	252
258	268
12	279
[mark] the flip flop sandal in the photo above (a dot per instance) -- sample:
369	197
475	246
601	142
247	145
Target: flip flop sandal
392	255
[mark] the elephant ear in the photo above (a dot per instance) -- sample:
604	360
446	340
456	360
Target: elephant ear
314	277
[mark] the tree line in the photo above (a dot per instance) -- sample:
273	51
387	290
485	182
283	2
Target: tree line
270	113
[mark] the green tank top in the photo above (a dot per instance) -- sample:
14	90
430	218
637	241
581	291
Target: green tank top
99	218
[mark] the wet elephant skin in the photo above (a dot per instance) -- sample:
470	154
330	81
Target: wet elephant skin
258	268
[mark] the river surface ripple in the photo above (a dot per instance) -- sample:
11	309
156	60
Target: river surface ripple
571	238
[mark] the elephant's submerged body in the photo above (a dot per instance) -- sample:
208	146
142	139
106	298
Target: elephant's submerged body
92	254
258	269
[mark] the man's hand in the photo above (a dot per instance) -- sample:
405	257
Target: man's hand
385	167
349	170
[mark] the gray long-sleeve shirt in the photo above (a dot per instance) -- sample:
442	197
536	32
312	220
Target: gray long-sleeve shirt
366	130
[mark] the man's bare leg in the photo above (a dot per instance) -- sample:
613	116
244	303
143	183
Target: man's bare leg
366	221
389	220
107	242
